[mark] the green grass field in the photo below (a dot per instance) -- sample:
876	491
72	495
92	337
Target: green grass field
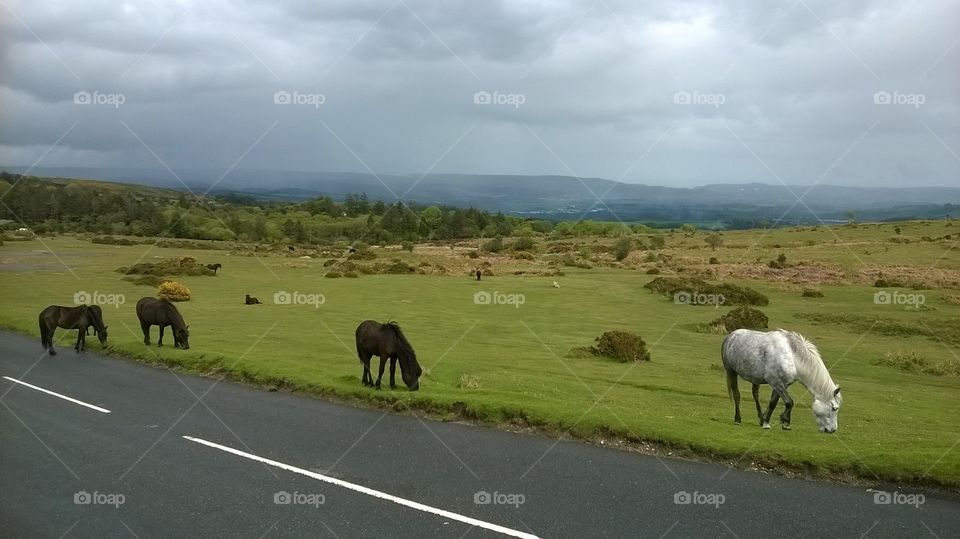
894	425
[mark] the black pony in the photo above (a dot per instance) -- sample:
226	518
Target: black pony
214	267
387	341
161	312
250	300
79	318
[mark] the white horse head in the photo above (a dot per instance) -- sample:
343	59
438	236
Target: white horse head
826	411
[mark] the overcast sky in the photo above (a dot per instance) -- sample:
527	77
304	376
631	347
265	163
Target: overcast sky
680	93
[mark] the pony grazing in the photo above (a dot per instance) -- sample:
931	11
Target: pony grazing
79	318
387	341
780	358
161	312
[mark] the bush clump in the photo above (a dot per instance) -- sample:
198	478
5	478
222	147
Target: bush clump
110	240
173	291
181	265
812	293
621	346
732	294
742	318
146	280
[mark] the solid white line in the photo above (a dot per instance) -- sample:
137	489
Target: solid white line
64	397
368	491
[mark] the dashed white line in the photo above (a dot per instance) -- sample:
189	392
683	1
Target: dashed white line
58	395
368	491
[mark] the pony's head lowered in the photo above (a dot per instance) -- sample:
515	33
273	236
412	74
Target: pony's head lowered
410	370
826	411
96	318
813	374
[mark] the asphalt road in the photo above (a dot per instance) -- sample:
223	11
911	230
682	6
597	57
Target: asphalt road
184	456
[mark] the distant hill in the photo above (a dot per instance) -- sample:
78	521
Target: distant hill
563	197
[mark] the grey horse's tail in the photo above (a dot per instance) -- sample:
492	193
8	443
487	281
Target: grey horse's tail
731	374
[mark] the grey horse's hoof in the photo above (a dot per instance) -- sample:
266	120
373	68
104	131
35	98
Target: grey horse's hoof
766	426
785	427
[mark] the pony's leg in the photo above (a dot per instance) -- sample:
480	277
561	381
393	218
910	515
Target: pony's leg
76	347
774	399
393	372
146	332
756	399
787	409
367	378
735	394
50	341
160	340
383	363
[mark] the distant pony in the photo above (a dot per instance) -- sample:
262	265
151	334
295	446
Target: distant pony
556	284
251	300
479	273
780	358
387	341
214	267
163	313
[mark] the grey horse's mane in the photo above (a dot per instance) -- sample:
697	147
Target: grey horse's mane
811	371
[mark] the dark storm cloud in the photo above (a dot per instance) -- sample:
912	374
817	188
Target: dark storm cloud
704	91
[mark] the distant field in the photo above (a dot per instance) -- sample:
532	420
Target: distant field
894	424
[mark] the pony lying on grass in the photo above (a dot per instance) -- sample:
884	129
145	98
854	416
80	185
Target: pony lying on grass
780	358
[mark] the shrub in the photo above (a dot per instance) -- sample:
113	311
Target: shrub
657	242
621	346
407	246
779	263
713	260
623	247
742	318
351	274
732	294
184	265
173	291
524	244
494	246
473	254
110	240
365	254
812	293
333	275
653	271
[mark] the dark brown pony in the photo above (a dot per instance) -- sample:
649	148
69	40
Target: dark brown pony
79	318
214	267
387	341
161	312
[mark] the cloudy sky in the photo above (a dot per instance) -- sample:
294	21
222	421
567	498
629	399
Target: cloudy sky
681	93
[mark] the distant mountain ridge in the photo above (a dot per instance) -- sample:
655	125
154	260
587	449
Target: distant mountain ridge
551	195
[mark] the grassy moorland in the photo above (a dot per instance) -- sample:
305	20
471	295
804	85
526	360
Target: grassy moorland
899	365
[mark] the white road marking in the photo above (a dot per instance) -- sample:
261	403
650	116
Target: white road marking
64	397
368	491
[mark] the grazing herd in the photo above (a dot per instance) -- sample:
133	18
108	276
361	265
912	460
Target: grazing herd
776	358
